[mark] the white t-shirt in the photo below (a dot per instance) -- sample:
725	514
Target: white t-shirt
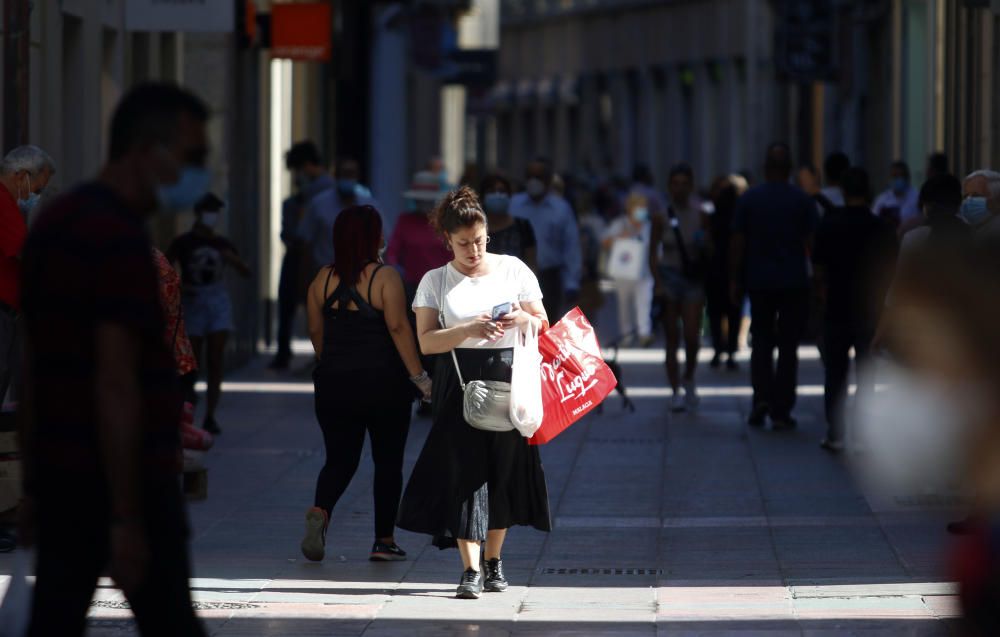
466	297
907	204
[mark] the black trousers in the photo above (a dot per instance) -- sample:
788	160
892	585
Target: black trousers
719	306
778	319
73	532
348	405
839	338
553	293
288	301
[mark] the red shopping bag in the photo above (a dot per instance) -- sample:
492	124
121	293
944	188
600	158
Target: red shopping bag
575	378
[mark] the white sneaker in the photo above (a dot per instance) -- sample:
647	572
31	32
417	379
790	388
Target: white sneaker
691	399
677	403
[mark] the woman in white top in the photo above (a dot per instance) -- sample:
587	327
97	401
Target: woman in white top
635	296
469	486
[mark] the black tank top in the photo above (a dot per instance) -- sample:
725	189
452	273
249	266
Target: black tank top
356	339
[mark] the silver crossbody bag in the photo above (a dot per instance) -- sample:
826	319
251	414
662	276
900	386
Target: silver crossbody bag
485	403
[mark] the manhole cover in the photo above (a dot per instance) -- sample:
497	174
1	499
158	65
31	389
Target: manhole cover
601	571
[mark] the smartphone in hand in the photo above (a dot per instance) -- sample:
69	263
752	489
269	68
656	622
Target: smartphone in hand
500	311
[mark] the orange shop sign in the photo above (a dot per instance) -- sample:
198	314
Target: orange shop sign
302	31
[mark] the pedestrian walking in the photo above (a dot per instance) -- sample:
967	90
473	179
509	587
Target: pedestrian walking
834	168
633	280
311	177
557	236
853	257
24	173
723	312
415	247
316	227
678	266
510	235
102	402
772	233
981	202
203	256
898	203
469	485
366	378
175	334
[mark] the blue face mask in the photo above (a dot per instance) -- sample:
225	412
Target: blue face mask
974	210
900	185
193	183
496	203
28	205
640	215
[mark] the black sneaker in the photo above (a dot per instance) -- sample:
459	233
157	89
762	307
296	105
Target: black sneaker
716	361
758	415
211	426
471	586
783	423
382	552
495	581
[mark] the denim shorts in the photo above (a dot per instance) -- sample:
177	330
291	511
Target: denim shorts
679	288
207	311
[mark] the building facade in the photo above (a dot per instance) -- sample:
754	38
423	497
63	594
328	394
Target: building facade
599	85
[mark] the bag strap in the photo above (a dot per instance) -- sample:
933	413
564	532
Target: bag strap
675	225
444	285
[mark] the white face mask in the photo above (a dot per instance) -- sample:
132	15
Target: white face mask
535	188
916	433
210	219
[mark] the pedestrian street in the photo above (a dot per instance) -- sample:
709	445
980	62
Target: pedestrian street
664	525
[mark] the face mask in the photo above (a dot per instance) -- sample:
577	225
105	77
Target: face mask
28	203
496	203
640	215
210	219
193	183
346	188
900	185
974	210
917	432
535	188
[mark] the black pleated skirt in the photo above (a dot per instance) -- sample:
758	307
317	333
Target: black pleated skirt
467	481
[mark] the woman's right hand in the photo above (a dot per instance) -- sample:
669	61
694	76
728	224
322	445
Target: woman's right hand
484	327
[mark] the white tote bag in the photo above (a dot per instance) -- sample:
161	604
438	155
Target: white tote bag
526	409
626	260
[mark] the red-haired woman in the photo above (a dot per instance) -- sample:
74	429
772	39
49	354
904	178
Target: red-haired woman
368	367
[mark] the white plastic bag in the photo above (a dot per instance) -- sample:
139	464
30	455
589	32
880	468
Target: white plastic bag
627	260
15	610
526	407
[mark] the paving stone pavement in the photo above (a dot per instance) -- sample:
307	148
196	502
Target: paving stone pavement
665	524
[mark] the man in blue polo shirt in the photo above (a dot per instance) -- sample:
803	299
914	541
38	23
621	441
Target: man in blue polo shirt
559	264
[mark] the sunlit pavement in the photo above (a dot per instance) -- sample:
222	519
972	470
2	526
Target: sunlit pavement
687	524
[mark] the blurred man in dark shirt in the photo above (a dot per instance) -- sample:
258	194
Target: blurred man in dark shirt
772	232
103	403
853	256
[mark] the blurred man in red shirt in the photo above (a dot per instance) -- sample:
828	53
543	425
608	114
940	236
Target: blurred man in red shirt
24	174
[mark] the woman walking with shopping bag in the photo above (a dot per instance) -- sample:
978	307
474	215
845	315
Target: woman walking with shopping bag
477	475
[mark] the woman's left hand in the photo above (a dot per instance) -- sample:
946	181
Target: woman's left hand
518	317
